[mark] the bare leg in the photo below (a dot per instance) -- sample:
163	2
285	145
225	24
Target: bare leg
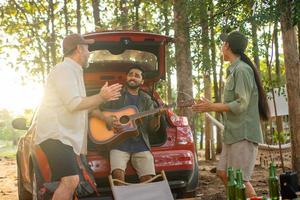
66	188
250	192
145	178
118	174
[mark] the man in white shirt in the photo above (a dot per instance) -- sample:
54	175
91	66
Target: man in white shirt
62	119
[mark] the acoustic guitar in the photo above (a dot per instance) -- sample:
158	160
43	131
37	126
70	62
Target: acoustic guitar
127	116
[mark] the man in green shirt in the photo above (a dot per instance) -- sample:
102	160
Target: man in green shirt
244	105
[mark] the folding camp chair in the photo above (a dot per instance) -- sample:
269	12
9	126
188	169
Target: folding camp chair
148	190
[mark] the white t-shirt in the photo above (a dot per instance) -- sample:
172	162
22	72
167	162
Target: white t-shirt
56	118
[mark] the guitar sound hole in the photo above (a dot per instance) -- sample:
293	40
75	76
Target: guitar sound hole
124	119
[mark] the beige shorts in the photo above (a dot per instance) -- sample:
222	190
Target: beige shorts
239	155
142	162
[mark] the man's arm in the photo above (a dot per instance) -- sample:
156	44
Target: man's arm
111	121
107	93
64	80
153	121
207	106
98	114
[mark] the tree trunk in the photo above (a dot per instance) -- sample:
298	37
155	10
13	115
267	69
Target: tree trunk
221	86
266	41
66	17
48	62
165	13
299	38
221	83
96	14
209	140
78	14
169	82
214	67
292	66
136	13
201	137
255	48
277	61
53	35
279	123
209	146
124	14
183	56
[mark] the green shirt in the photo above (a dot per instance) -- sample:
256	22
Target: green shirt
242	122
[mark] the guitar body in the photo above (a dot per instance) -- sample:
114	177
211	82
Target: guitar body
100	134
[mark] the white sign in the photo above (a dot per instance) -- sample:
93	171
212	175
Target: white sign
280	100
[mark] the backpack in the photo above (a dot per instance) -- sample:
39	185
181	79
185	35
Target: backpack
86	187
87	184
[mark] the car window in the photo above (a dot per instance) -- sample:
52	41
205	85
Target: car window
135	56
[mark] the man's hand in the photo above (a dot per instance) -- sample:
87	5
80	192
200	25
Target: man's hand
112	123
203	105
110	93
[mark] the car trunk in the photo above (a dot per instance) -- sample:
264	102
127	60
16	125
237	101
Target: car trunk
112	55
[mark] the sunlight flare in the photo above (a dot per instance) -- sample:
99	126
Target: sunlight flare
17	96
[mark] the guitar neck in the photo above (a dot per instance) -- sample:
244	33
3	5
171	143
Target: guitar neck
146	113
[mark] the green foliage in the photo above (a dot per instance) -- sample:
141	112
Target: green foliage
282	136
277	81
27	25
296	12
7	132
161	88
8	150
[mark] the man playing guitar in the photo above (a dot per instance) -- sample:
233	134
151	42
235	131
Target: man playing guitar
136	149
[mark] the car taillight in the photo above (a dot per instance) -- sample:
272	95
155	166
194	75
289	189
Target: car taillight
175	120
184	135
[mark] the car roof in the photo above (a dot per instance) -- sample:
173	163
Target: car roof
136	35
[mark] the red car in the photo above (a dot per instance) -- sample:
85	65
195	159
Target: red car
172	145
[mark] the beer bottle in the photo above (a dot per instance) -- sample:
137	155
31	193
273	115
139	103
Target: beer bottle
240	191
273	183
231	184
264	198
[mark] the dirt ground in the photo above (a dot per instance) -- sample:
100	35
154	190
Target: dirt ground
8	179
210	187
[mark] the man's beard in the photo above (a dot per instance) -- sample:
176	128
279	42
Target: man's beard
85	62
135	86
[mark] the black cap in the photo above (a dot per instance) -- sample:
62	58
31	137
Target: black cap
237	41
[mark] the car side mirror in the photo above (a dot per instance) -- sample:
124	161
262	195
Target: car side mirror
19	123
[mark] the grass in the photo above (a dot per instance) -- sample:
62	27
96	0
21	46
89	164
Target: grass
8	151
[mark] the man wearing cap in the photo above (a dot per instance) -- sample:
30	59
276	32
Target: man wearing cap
62	117
244	105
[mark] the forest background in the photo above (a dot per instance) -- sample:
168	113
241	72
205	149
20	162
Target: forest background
32	30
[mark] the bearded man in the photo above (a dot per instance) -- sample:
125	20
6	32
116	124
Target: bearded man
134	149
